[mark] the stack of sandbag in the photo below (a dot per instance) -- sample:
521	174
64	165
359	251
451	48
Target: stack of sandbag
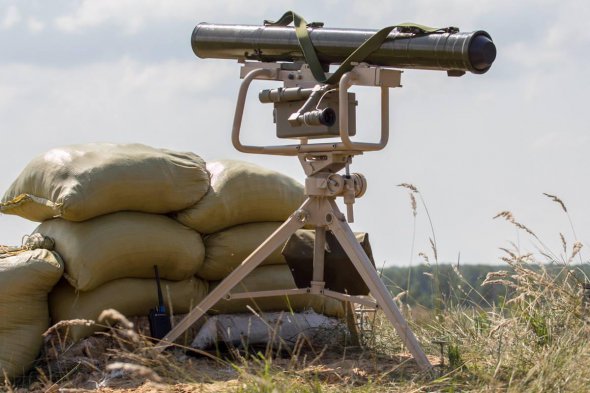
246	204
110	264
106	207
130	296
115	211
124	245
26	277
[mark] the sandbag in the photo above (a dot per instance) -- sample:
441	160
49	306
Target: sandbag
129	296
275	328
124	244
225	250
241	193
25	280
80	182
271	277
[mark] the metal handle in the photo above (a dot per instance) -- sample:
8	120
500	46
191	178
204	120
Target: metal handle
346	144
239	113
346	82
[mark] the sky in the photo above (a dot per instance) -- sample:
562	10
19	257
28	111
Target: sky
123	71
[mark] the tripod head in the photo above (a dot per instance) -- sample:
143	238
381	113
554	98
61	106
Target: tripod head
320	161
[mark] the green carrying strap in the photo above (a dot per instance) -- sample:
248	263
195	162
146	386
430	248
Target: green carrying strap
360	53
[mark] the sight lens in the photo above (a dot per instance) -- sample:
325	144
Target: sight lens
328	117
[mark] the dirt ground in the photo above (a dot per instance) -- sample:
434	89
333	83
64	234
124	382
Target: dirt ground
330	370
122	361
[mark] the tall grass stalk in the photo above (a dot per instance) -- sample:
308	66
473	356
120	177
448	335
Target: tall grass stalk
437	294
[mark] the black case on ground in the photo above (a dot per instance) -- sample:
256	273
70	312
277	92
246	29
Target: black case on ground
340	274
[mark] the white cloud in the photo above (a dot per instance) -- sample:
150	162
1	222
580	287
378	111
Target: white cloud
87	90
569	27
11	18
451	12
561	42
35	25
135	15
474	145
563	140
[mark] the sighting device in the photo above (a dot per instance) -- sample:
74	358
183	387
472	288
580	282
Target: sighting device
312	104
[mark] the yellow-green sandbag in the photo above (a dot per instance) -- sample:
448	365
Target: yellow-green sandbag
225	250
129	296
241	193
124	244
25	280
271	277
80	182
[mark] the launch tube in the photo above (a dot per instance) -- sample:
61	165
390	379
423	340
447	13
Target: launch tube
447	51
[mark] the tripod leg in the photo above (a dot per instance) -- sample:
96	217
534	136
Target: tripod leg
369	275
280	236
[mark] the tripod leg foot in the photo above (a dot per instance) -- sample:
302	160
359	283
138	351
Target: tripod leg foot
369	275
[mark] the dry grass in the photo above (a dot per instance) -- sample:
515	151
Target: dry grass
536	339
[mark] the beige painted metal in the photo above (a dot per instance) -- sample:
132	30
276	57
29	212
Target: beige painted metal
321	212
277	292
279	237
319	246
369	275
362	75
321	162
364	300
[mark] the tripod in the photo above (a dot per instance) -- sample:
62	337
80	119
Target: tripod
323	185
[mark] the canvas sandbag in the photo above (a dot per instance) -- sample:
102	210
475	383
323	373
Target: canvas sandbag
129	296
80	182
124	244
225	250
271	277
241	193
25	280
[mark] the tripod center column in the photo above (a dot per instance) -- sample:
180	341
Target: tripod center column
319	247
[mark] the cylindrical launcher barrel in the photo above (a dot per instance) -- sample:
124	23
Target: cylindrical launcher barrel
447	51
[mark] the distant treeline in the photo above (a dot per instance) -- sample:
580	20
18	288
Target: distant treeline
456	285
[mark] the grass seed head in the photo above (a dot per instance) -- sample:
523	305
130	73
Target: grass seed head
557	200
112	315
409	186
575	250
64	324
